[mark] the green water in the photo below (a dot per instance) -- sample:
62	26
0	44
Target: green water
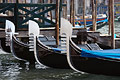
105	29
12	69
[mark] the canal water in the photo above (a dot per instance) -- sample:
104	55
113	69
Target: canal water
12	69
104	30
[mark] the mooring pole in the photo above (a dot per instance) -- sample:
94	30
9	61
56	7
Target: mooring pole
10	13
60	10
112	25
51	11
12	1
25	1
57	21
84	11
73	12
16	15
71	9
65	10
1	1
93	15
109	19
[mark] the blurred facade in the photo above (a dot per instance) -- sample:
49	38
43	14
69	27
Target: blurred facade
102	7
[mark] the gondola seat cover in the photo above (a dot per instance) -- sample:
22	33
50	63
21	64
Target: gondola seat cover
112	53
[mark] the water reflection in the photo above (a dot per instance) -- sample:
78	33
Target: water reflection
105	29
12	69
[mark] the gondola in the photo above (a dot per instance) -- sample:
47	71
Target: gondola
104	62
50	57
3	45
100	24
19	49
4	42
46	53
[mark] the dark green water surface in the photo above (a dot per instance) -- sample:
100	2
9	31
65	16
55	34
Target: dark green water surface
12	69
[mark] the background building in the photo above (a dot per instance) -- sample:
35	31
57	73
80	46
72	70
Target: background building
101	9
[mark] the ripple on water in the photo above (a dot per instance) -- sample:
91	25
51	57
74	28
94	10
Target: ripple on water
105	29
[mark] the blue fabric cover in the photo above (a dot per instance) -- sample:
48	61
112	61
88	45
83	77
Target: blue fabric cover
57	49
112	53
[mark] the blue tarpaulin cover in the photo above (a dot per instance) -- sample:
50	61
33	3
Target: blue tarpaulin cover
57	49
112	53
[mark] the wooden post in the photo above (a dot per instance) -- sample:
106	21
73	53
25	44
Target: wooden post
71	8
51	12
0	1
109	19
41	1
25	1
60	10
96	14
4	1
20	1
16	15
12	1
57	21
84	11
43	10
8	12
65	10
93	15
73	12
112	24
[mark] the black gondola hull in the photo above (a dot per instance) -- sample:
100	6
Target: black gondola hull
103	66
3	45
89	65
51	58
21	51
